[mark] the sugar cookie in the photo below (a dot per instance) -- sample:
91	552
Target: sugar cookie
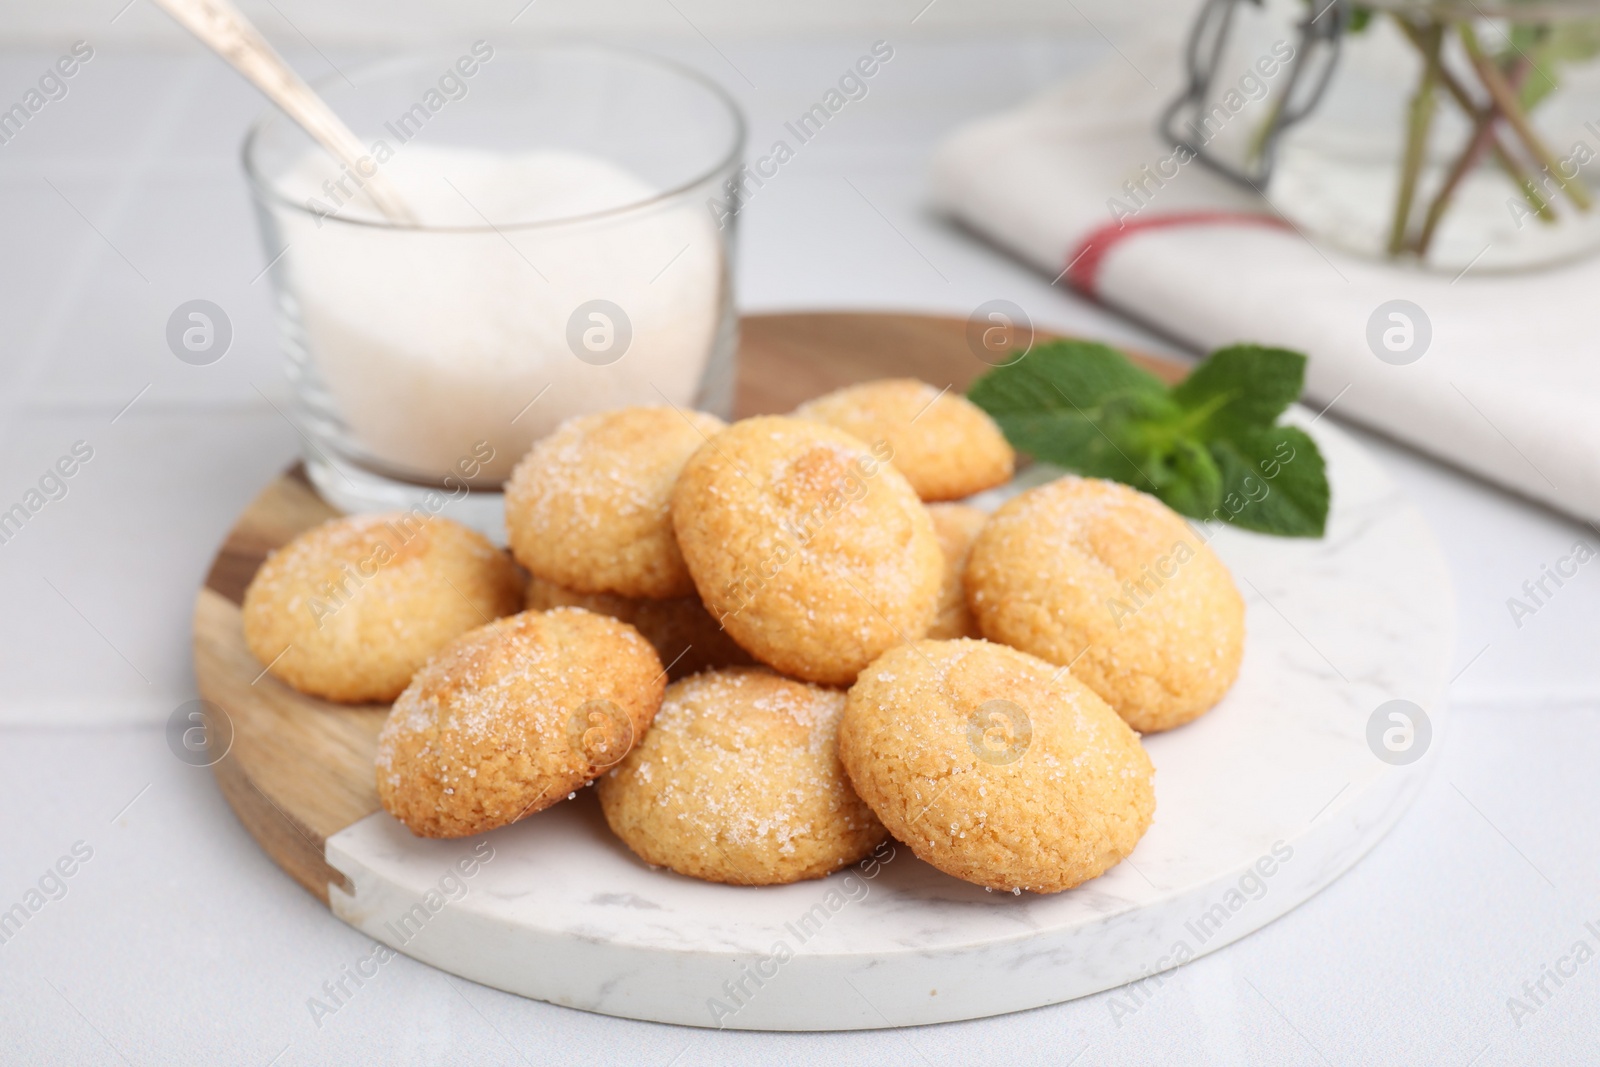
588	507
1103	577
995	766
809	548
514	716
351	609
956	525
945	445
739	781
685	636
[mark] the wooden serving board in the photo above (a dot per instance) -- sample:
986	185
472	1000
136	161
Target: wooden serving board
299	769
567	914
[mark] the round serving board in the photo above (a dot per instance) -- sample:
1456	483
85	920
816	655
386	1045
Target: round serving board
1260	803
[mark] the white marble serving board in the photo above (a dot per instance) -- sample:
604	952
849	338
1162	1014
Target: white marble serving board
1260	804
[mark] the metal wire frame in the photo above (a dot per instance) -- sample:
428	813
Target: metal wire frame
1320	33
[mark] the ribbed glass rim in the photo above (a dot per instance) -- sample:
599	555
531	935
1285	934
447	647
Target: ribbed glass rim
265	189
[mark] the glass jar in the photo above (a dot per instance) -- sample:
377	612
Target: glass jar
1455	134
569	250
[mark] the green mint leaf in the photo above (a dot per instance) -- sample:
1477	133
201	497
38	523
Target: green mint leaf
1064	375
1082	406
1115	439
1273	481
1209	447
1244	386
1130	438
1195	486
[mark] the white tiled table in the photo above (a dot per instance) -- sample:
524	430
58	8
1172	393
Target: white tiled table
178	941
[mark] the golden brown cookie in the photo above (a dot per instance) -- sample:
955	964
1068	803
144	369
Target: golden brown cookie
513	717
995	766
739	781
351	609
544	596
956	525
945	445
807	546
685	636
1103	577
588	507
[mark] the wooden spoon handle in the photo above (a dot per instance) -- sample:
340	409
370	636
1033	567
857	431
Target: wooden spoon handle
227	31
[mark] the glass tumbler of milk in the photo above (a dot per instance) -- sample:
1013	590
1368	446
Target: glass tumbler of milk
564	246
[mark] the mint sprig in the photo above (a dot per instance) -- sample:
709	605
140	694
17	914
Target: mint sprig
1210	447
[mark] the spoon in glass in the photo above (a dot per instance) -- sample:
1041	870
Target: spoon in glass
226	31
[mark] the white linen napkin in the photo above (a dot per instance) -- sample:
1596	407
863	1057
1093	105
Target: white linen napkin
1508	386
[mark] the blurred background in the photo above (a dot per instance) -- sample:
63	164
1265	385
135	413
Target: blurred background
374	23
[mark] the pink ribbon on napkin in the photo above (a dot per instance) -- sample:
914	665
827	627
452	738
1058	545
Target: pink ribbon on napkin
1083	269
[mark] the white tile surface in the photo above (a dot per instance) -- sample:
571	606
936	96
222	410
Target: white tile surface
181	943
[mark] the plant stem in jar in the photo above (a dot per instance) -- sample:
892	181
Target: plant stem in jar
1477	144
1508	162
1419	121
1506	99
1258	141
